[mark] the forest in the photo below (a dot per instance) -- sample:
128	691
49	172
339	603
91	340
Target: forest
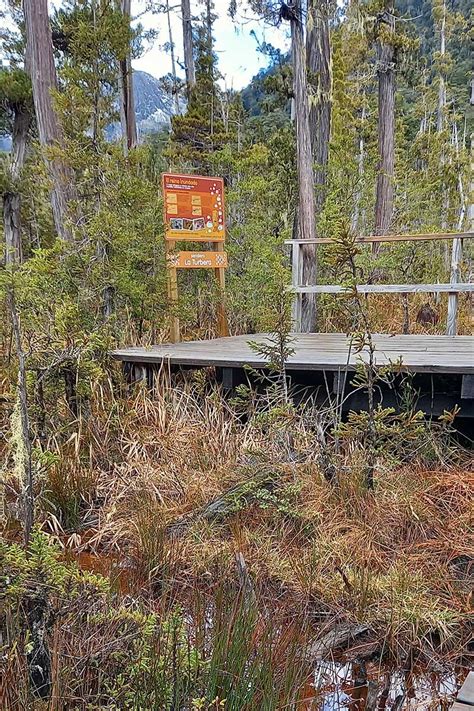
170	545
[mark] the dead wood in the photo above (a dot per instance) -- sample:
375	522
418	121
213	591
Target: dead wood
372	693
339	638
235	498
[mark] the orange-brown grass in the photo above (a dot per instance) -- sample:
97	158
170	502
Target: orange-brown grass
387	557
386	314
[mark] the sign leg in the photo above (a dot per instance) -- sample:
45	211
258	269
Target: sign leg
222	323
172	279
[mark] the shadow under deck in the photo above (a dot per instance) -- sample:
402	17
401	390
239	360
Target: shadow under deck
442	366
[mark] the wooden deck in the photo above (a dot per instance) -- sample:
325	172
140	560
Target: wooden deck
315	352
465	697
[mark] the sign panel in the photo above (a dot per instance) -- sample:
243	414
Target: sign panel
197	260
193	208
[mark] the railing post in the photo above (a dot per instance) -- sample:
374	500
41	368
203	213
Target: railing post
451	326
296	281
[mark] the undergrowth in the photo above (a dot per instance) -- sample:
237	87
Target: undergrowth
229	555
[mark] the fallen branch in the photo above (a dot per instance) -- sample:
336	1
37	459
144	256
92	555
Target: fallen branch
340	637
227	503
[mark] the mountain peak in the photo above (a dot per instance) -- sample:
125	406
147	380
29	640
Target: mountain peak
153	106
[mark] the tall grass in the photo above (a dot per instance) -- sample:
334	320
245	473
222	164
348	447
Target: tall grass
239	554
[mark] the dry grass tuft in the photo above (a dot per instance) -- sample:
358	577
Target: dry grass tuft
157	469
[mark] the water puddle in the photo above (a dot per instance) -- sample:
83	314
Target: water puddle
336	689
122	578
335	686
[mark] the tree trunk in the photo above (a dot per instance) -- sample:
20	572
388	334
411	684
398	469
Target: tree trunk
11	198
305	227
442	81
386	124
40	66
470	209
319	72
25	456
456	252
440	121
127	105
358	219
13	255
188	44
11	227
173	61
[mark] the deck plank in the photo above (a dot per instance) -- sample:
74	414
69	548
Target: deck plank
466	692
325	351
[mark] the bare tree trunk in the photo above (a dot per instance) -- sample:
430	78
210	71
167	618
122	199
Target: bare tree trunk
210	43
386	124
188	44
424	125
173	61
96	131
12	227
14	256
456	252
319	74
21	125
442	82
209	22
358	219
305	220
11	198
127	105
40	66
26	463
440	121
470	209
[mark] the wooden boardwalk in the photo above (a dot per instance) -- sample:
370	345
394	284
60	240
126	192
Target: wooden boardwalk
315	352
465	697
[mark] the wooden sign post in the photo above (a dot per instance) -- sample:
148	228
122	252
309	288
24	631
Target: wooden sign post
194	212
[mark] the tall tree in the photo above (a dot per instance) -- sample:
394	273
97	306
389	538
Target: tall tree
201	131
319	72
173	60
188	46
441	79
127	103
16	110
305	223
386	58
40	64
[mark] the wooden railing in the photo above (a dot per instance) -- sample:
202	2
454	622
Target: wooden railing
453	289
385	289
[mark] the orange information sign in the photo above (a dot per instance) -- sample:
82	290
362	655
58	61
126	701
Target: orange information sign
197	260
193	208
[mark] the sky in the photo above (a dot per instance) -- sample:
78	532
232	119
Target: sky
237	50
239	59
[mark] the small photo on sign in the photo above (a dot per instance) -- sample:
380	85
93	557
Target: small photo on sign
187	224
199	224
176	223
